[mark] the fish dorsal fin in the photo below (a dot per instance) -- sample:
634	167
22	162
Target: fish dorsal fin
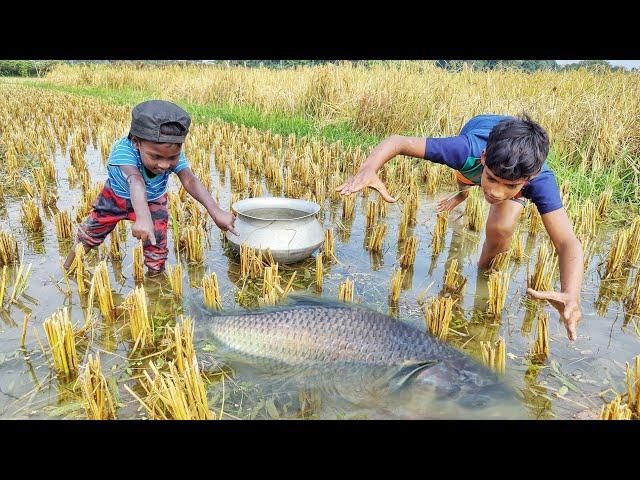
301	299
408	370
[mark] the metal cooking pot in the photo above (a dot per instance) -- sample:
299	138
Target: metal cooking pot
286	226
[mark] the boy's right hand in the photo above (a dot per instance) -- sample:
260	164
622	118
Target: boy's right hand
365	178
143	229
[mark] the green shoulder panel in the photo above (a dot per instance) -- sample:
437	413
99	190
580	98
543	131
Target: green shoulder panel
472	170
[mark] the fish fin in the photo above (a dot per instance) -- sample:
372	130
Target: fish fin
301	299
407	371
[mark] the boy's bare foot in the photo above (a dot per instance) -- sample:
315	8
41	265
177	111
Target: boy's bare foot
447	204
151	273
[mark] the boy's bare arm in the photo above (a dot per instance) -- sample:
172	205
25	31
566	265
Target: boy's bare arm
569	249
223	219
450	202
385	151
143	226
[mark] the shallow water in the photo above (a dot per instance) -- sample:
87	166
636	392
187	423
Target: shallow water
275	213
570	381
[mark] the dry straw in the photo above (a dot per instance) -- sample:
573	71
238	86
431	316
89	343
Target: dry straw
31	216
381	206
545	265
250	262
96	398
535	220
79	267
585	219
498	288
20	283
396	285
501	261
175	279
183	343
140	324
454	282
409	252
194	243
348	206
493	355
62	343
27	187
405	220
376	238
253	261
8	248
634	241
174	395
603	203
138	262
103	290
540	349
319	272
272	291
3	285
442	220
372	213
115	252
345	291
63	225
617	255
515	250
615	410
473	210
438	316
211	291
633	386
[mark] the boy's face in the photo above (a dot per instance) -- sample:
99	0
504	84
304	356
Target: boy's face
158	157
498	189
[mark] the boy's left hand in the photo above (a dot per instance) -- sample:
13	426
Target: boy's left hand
568	306
225	221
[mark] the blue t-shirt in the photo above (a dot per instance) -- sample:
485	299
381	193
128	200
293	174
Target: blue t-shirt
124	153
463	152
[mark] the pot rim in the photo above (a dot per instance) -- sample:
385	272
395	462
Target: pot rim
310	208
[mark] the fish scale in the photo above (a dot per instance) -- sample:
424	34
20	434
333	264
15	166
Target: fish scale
301	335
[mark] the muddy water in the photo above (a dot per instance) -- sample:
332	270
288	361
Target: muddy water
569	382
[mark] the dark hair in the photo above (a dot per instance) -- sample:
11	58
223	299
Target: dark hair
516	148
171	128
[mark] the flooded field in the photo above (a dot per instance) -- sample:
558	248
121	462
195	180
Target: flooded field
573	379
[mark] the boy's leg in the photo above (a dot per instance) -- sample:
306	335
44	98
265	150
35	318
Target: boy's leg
501	224
156	255
107	211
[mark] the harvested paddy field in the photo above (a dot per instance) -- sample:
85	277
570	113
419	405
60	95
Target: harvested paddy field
105	341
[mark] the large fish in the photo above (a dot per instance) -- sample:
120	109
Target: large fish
361	355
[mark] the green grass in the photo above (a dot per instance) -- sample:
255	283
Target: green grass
248	116
585	184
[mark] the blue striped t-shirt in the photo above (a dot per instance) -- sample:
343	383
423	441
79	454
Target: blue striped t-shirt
124	153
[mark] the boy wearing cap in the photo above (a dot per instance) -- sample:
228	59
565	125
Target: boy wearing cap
138	169
506	157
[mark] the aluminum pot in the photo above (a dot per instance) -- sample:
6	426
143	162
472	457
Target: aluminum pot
288	227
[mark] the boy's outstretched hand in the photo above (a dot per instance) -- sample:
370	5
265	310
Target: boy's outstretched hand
365	178
567	305
225	221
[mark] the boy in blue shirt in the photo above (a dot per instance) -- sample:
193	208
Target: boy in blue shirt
139	167
506	157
